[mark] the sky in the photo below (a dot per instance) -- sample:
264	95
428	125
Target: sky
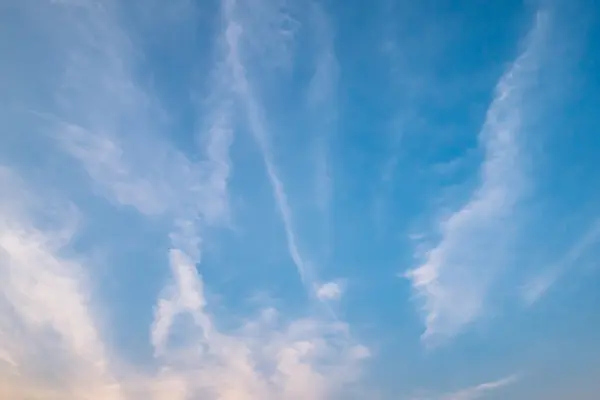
299	199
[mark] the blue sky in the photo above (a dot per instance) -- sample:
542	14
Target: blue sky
303	200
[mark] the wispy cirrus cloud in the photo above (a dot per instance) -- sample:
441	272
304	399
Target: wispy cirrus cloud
47	325
474	392
165	163
267	357
537	287
481	390
113	127
234	27
240	33
456	275
103	160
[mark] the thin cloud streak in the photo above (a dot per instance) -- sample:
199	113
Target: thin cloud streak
480	390
537	287
474	392
233	31
457	274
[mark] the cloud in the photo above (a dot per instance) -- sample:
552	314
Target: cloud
118	144
242	87
117	129
265	358
101	112
46	320
114	129
480	390
537	287
456	275
473	392
103	160
329	291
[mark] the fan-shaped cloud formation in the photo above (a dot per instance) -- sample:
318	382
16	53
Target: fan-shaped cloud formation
213	200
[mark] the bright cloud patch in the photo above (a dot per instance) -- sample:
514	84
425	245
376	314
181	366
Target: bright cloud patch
329	291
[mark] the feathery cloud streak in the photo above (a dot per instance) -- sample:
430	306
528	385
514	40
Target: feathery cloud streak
456	275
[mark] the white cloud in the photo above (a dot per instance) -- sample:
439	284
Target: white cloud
329	291
45	303
537	287
265	358
6	357
112	128
480	390
474	392
103	160
243	89
456	275
116	128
